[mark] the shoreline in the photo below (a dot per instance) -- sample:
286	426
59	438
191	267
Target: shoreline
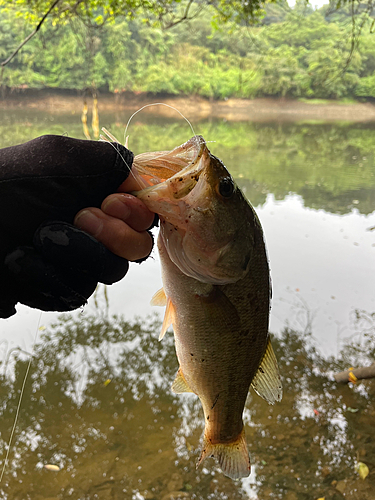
197	108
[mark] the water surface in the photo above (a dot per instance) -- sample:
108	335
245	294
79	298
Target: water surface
98	401
313	186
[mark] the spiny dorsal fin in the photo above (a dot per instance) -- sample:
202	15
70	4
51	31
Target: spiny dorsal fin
267	381
168	318
233	457
159	298
180	385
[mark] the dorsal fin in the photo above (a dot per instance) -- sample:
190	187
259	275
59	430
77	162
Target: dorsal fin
267	382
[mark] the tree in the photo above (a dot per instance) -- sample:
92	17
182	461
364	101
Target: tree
95	13
168	13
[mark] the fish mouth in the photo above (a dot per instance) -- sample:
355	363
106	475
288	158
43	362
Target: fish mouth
164	197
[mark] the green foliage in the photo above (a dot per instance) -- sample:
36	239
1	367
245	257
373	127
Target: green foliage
366	87
161	12
301	54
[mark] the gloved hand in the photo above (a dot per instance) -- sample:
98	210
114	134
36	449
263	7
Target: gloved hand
45	261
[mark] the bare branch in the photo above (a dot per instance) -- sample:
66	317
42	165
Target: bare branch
354	374
4	63
356	33
185	17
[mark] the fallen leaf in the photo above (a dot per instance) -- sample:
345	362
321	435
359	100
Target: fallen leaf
108	381
352	410
362	470
351	377
52	467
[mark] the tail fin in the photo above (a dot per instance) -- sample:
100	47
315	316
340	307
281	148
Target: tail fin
233	457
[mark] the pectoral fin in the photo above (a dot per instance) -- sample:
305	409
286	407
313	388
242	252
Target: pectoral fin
217	307
159	298
168	318
180	385
266	382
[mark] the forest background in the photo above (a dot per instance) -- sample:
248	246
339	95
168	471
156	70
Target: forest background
298	53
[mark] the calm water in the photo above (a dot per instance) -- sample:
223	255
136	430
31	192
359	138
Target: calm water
98	400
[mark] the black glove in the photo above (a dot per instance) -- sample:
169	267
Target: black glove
46	262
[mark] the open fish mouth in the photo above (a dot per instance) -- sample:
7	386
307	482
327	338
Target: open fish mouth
172	174
200	218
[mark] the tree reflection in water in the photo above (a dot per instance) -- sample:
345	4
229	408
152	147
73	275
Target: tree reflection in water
98	404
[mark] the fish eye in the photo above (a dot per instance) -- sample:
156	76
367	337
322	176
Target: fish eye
226	187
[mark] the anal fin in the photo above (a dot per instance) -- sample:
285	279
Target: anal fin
233	457
267	382
180	385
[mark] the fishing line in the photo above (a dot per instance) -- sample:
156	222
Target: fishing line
105	139
110	137
158	104
20	401
113	138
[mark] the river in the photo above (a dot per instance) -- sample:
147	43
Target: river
105	412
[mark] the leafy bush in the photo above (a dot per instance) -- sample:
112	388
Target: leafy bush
302	54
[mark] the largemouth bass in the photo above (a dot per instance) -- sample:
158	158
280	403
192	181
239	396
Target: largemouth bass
216	289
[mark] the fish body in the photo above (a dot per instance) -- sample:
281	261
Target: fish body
216	289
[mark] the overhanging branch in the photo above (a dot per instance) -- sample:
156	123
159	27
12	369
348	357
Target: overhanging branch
4	63
185	17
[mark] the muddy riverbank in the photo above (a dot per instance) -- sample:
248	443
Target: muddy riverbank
262	109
